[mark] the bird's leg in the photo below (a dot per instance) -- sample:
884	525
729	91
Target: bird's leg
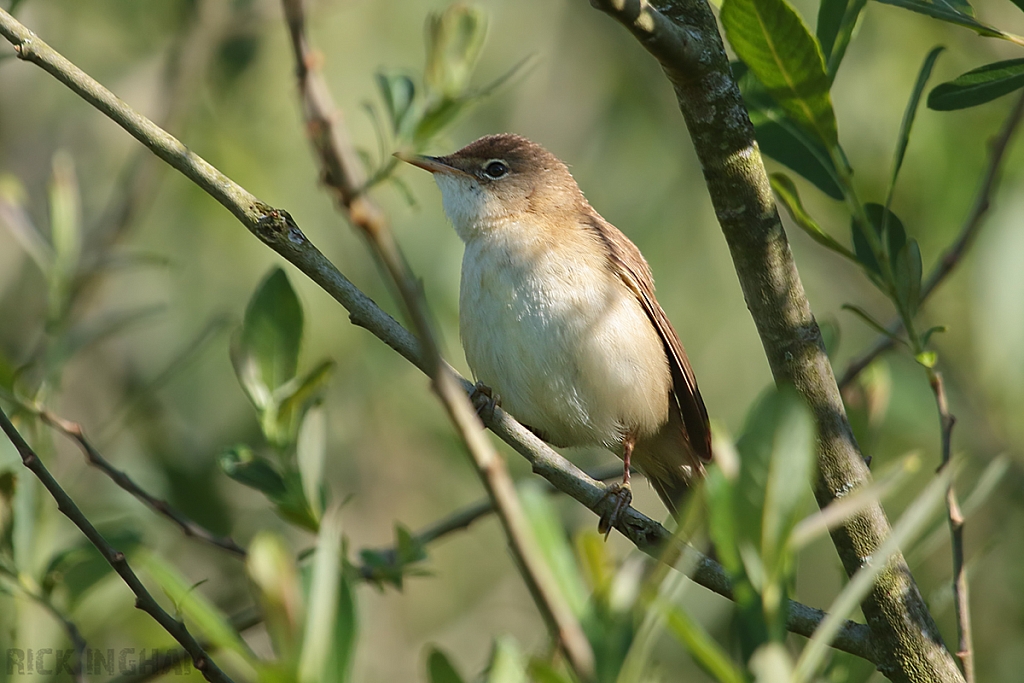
620	492
484	400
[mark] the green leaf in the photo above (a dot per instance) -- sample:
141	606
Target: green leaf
837	20
506	664
13	214
272	569
907	276
210	621
437	117
65	231
953	12
266	352
455	38
928	334
245	467
978	86
310	454
772	39
330	631
789	476
440	669
908	117
398	92
708	654
786	191
554	545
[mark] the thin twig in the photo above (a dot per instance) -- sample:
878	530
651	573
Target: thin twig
961	596
74	431
143	600
342	174
952	257
276	229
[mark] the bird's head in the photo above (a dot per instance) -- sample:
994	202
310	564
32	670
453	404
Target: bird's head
501	179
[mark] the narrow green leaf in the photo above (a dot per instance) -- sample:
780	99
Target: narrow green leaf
554	545
772	39
708	654
210	621
440	669
310	455
908	117
267	352
80	567
272	569
978	86
789	476
926	337
329	636
13	214
245	467
830	18
844	33
865	254
952	11
65	230
786	191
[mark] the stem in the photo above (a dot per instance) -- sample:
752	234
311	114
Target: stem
961	596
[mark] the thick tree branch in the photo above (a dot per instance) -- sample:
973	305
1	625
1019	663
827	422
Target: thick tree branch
276	229
116	559
952	257
907	641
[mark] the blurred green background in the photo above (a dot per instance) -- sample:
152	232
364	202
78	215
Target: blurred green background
597	100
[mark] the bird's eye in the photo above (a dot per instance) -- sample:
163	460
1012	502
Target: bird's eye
496	169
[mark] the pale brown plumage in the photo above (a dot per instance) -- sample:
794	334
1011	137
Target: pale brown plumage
559	317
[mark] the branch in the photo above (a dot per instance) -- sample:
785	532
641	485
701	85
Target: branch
907	640
951	259
341	174
143	600
956	530
190	528
277	229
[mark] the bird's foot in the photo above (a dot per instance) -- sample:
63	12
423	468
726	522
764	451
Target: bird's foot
484	400
622	496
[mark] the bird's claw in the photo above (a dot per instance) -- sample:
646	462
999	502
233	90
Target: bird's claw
484	400
623	497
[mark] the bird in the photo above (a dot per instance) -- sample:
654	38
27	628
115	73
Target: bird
559	321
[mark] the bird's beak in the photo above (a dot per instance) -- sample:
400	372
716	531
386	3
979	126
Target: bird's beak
432	164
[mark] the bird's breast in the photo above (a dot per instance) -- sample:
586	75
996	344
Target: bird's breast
552	330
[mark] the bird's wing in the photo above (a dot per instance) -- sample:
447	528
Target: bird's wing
630	265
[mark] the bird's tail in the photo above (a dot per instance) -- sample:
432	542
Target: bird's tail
669	463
